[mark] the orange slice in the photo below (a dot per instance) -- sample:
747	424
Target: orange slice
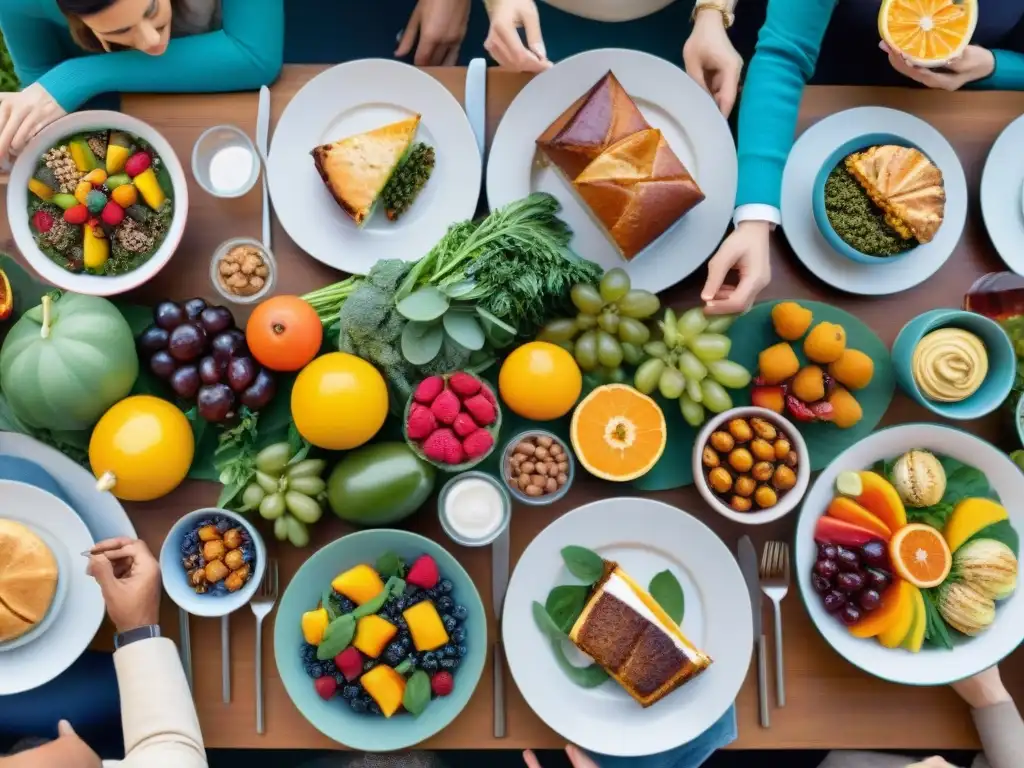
928	32
618	433
920	555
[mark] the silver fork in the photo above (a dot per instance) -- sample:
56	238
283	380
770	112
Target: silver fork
262	604
774	572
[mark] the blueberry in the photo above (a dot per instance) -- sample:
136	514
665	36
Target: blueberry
394	654
449	651
402	624
460	613
449	664
415	659
445	603
308	653
446	586
429	665
405	641
459	635
462	651
433	594
375	708
358	705
314	670
430	655
223	524
344	604
186	547
400	603
449	623
340	679
350	692
329	668
368	665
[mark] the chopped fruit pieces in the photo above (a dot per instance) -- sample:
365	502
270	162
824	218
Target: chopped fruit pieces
313	625
423	573
846	411
809	384
829	529
846	509
452	420
326	687
853	369
95	246
772	397
359	584
920	555
914	640
76	214
117	153
881	499
39	189
126	195
442	683
896	601
386	687
373	633
825	343
350	663
791	320
82	156
895	632
137	164
96	177
42	221
150	189
969	517
849	484
425	625
778	363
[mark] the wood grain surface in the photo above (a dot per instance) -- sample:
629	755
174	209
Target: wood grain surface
830	703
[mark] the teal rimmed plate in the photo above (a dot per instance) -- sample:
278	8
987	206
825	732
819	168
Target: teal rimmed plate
334	718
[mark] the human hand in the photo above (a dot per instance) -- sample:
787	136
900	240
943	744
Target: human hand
746	251
129	577
983	690
576	758
503	41
932	762
23	114
712	61
66	751
440	26
976	63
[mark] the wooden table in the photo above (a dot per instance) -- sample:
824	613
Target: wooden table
830	702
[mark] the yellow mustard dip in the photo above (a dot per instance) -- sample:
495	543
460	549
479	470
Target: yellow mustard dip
949	365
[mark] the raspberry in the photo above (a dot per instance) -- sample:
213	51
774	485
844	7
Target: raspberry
137	163
464	384
421	422
442	683
446	407
478	444
112	214
350	663
326	686
464	425
423	573
42	221
428	389
443	447
481	409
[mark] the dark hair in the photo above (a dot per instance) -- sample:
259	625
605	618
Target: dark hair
80	31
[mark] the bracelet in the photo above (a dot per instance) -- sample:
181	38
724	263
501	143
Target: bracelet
728	17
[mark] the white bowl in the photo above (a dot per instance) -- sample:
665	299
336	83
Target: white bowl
17	203
787	502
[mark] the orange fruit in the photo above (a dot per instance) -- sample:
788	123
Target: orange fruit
618	433
284	333
540	381
928	33
920	555
339	401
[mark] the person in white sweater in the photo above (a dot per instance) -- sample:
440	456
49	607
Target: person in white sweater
161	729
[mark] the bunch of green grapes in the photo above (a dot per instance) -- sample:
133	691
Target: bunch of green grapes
608	330
690	364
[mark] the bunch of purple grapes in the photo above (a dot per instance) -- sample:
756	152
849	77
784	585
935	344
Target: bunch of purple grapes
851	581
202	355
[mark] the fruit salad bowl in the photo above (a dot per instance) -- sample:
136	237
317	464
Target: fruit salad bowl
906	559
370	709
164	193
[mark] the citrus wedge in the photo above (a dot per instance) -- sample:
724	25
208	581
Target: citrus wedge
920	555
928	33
618	433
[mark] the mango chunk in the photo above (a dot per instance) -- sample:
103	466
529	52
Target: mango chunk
118	152
84	159
386	687
425	626
969	517
95	247
39	189
373	633
150	189
313	625
360	584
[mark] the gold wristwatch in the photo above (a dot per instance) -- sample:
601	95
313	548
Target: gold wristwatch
728	17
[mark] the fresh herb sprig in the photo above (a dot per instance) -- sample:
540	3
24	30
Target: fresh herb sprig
408	180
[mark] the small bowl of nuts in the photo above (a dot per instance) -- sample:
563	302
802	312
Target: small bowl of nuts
537	467
212	562
751	465
242	270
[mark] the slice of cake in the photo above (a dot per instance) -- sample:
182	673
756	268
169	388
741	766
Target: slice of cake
356	169
628	634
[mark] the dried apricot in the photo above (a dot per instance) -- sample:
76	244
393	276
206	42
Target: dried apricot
853	369
809	384
791	321
825	343
777	363
846	411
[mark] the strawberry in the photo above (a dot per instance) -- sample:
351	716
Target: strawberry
428	389
477	444
326	686
421	422
423	573
442	683
464	425
446	407
482	410
137	163
350	663
464	384
443	447
42	221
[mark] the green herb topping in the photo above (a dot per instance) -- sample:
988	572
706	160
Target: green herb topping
857	220
408	180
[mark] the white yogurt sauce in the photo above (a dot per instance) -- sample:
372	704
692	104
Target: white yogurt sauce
230	168
474	508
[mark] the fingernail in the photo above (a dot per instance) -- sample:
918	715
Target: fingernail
87	553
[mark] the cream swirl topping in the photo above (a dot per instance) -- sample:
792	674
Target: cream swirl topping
949	365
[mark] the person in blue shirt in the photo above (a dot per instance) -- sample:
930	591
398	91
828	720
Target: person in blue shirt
834	42
65	52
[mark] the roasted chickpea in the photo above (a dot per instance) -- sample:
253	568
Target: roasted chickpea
740	430
213	550
232	538
720	480
762	471
744	485
741	460
722	442
762	449
784	478
234	559
782	448
763	429
710	458
765	497
791	460
740	503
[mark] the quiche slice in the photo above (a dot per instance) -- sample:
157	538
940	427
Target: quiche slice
905	185
357	168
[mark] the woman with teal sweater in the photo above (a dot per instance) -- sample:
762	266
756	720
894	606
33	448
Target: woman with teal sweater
833	42
65	52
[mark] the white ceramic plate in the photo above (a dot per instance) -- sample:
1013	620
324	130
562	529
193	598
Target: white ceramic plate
645	537
17	203
932	666
76	623
349	99
1002	201
672	102
101	512
805	160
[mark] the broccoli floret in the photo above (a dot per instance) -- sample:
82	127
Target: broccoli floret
387	274
451	358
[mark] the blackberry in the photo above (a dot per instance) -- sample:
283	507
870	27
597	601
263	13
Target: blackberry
460	612
368	665
462	651
314	670
445	603
448	664
308	653
459	635
375	708
449	651
446	586
350	692
429	665
358	705
449	623
394	654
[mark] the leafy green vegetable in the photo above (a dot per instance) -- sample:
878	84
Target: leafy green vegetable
565	604
586	677
668	593
337	637
586	565
423	305
394	587
1002	531
936	632
328	604
389	564
417	693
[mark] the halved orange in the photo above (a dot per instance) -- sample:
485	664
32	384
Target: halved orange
928	33
920	555
618	433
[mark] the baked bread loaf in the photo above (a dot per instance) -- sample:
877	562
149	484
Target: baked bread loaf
356	169
28	579
628	634
622	168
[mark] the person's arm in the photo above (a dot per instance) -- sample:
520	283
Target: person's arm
1007	76
244	54
159	720
786	54
32	40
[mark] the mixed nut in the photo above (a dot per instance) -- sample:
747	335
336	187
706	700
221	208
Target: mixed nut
243	270
538	466
751	462
217	557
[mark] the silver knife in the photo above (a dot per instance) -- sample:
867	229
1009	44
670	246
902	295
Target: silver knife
476	100
747	557
262	145
499	584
